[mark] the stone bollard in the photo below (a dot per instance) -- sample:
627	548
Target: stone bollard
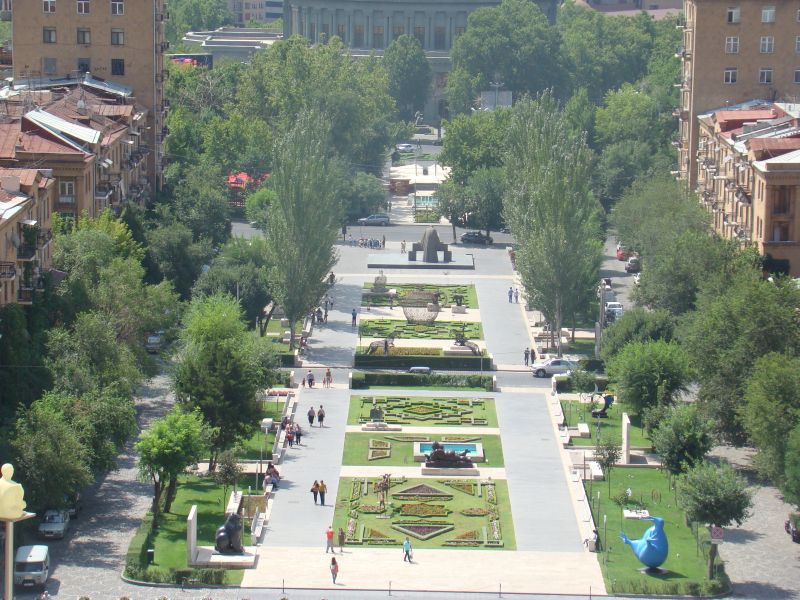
350	380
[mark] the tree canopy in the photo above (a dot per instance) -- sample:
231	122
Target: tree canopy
409	74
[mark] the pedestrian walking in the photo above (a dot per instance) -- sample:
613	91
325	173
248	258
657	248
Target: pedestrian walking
342	537
315	490
516	295
320	415
325	316
290	435
354	315
329	377
383	241
323	489
386	345
311	414
533	355
329	540
303	382
334	569
403	247
310	378
527	355
298	433
510	295
407	550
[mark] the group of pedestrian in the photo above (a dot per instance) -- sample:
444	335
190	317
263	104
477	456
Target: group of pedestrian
513	295
272	476
529	355
329	547
294	434
318	490
318	414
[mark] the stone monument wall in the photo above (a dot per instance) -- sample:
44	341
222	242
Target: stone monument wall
626	439
191	535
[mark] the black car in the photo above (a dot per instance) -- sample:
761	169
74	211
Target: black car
475	237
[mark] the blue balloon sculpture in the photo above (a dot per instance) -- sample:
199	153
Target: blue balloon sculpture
652	548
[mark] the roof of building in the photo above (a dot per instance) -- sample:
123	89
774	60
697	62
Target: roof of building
772	144
787	161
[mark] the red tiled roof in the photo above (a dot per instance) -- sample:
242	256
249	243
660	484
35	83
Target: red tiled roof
26	176
722	116
774	144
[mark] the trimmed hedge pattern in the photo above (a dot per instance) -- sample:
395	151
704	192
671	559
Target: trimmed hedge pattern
459	363
362	381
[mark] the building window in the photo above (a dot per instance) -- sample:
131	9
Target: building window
49	66
419	33
797	75
84	65
117	66
341	31
377	36
84	36
117	37
66	189
768	14
730	75
49	6
438	38
780	232
397	31
765	76
358	36
783	200
117	7
733	15
732	45
312	31
767	44
83	7
49	35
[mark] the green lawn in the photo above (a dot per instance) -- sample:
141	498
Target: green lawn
170	539
447	291
579	412
426	411
401	452
250	449
356	501
686	562
274	326
582	346
429	388
444	330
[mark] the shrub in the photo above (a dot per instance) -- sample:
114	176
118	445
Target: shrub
565	385
455	363
363	380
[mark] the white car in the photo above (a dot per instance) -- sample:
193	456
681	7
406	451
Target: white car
54	524
405	147
553	366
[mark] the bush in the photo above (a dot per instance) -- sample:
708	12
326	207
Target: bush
565	385
455	363
137	549
426	216
594	365
404	351
362	380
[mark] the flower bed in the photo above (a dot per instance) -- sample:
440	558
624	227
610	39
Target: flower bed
423	510
439	330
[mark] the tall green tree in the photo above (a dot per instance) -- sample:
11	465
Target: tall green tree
177	256
791	485
220	371
771	410
486	189
171	444
713	495
683	438
305	218
196	15
649	373
637	325
409	73
730	330
512	44
475	141
551	210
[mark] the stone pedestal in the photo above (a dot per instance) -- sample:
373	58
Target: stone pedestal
458	310
191	535
626	440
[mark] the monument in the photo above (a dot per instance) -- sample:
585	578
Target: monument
439	458
429	253
229	536
12	510
652	548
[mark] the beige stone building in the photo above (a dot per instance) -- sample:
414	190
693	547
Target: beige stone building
733	52
748	177
27	198
120	42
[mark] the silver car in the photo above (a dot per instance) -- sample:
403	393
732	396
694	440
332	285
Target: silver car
54	524
553	366
374	220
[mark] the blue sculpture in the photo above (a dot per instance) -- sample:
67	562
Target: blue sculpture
652	548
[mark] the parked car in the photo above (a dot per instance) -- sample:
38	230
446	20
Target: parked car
154	342
622	252
405	147
420	370
54	524
32	566
475	237
553	366
633	265
374	220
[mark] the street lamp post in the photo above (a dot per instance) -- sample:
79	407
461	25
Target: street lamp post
496	85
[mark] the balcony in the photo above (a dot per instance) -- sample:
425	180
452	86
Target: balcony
44	237
26	253
102	193
66	202
8	270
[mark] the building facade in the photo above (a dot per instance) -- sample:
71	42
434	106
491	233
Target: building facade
27	198
263	11
118	41
733	52
373	24
748	177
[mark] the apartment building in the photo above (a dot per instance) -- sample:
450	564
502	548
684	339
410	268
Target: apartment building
748	177
91	143
119	42
733	52
262	11
27	198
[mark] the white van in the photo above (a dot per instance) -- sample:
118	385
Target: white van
32	566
